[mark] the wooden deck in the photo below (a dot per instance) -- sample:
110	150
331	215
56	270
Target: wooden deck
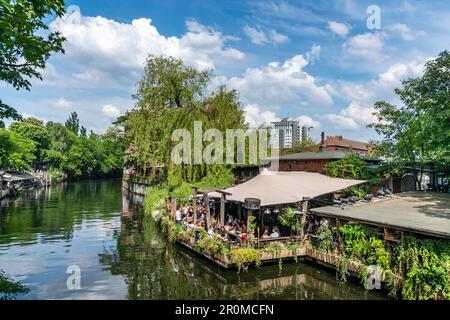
426	213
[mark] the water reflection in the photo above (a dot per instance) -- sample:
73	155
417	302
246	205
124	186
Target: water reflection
123	255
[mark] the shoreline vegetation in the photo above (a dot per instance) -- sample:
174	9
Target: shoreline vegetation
59	152
414	269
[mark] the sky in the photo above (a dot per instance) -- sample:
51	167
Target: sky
323	63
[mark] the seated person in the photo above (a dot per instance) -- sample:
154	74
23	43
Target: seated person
244	237
223	235
178	216
275	233
265	234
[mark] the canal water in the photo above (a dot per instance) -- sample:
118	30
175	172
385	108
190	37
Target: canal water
49	235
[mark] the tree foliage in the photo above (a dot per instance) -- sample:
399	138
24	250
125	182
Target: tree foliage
32	144
351	167
172	96
418	132
308	145
25	43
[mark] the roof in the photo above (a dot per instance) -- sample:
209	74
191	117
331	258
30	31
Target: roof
279	187
17	177
320	155
342	142
424	213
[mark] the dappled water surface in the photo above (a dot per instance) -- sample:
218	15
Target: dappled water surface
122	255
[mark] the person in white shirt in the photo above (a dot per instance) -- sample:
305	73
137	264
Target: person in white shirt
178	217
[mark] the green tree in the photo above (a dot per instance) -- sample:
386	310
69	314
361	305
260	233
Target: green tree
308	145
73	123
61	139
418	131
34	130
350	167
16	151
25	46
172	96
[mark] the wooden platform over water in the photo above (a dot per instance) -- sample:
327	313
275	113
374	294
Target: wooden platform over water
426	213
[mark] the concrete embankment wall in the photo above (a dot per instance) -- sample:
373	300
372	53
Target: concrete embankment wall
139	188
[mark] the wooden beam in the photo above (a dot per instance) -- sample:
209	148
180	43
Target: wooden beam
174	204
194	194
222	209
208	213
305	207
224	192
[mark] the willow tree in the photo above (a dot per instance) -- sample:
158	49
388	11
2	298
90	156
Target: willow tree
170	96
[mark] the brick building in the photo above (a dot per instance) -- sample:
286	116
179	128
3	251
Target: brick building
339	143
308	161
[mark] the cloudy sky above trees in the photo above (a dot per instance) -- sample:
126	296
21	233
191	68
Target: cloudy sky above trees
315	61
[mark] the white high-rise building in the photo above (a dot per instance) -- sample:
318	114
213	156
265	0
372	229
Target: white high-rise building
285	133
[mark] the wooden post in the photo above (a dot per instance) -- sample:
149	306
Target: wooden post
305	206
174	204
194	194
208	213
239	211
222	209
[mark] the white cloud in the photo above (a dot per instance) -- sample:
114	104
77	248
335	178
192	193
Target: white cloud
110	111
313	54
341	122
281	85
256	36
63	103
101	46
367	46
278	37
404	31
255	117
353	117
341	29
261	37
307	121
363	96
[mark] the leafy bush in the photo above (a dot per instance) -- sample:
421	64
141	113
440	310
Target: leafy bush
425	266
325	238
351	167
245	256
290	219
9	289
155	199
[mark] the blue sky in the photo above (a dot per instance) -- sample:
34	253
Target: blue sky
315	61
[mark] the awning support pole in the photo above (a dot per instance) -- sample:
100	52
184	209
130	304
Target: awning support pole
208	213
305	207
222	209
194	194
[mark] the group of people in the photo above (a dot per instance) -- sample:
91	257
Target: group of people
273	235
233	230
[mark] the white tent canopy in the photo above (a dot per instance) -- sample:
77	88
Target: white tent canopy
283	187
